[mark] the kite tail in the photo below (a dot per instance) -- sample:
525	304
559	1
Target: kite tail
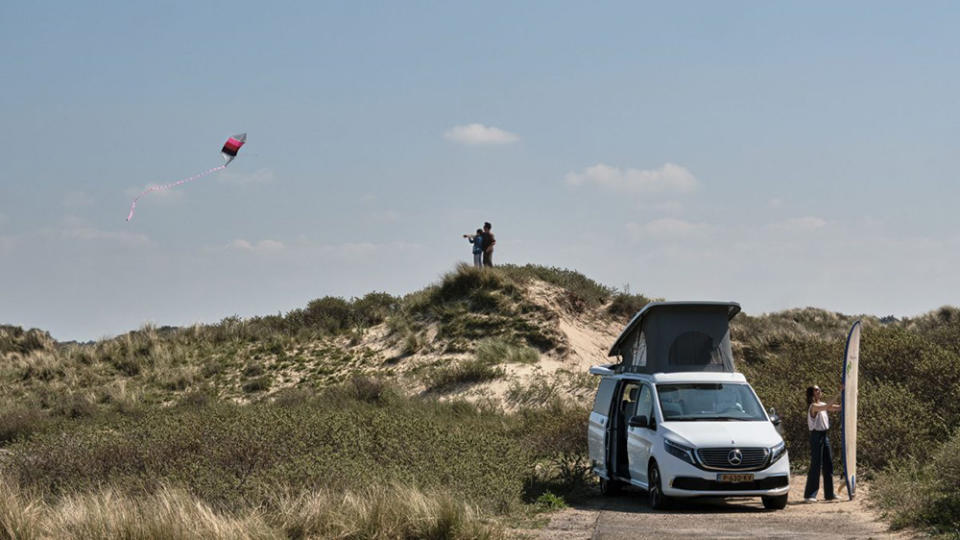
133	205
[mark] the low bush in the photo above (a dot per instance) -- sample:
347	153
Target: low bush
498	351
231	456
549	501
467	288
259	384
538	393
14	339
924	491
444	378
557	434
18	422
330	314
582	290
374	308
625	305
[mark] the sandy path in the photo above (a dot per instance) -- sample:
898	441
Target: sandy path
628	516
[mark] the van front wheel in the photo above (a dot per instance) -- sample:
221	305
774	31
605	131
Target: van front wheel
658	501
777	502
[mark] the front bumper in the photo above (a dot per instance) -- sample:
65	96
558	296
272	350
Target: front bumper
680	479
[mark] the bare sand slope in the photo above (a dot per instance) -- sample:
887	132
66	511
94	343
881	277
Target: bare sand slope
629	516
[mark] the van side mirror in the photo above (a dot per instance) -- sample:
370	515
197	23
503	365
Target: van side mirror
774	417
639	421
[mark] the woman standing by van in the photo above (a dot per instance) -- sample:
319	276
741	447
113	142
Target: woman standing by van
821	456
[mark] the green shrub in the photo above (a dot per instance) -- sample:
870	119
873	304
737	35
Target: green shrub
581	290
330	314
468	288
548	501
253	370
41	366
411	344
14	339
374	308
228	455
447	377
259	384
557	435
625	305
19	421
498	351
924	491
538	393
366	389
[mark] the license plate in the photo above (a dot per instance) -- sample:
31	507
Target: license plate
734	478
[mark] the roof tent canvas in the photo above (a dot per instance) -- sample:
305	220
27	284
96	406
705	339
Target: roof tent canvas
666	337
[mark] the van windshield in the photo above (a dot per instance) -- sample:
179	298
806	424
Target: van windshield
692	402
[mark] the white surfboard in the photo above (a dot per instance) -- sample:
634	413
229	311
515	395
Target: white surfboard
848	412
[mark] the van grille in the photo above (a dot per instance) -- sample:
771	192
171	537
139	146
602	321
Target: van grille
720	458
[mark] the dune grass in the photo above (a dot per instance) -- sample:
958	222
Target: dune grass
357	461
375	512
162	411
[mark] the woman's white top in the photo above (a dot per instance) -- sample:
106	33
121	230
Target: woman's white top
819	421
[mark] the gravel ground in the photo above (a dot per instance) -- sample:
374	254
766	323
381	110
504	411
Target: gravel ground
628	516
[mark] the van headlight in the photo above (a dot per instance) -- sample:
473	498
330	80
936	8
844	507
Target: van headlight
683	452
777	452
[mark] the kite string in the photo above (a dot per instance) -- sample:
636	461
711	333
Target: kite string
133	205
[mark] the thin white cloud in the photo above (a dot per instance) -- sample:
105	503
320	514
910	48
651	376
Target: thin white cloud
385	216
775	202
800	224
260	176
360	251
666	228
85	233
670	178
479	134
303	247
263	246
669	207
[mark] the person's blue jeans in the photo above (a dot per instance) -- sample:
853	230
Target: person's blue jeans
821	459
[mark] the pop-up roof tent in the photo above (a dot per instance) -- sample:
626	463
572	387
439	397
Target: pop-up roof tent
666	337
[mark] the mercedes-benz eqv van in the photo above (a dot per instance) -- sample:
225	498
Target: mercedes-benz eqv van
674	418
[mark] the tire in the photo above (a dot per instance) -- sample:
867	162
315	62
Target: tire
656	498
609	488
775	502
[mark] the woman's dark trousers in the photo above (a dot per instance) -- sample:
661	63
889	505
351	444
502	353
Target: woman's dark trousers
821	458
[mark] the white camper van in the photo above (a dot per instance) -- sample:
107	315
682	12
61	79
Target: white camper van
674	418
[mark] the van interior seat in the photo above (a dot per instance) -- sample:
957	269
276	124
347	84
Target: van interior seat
673	408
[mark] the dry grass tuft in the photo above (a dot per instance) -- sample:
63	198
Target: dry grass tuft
172	514
167	514
393	511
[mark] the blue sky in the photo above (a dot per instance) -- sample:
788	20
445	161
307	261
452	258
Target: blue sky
778	155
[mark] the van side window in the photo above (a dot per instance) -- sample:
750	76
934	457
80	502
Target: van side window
601	404
645	403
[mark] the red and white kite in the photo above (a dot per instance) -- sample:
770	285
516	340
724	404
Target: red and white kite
229	152
230	147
